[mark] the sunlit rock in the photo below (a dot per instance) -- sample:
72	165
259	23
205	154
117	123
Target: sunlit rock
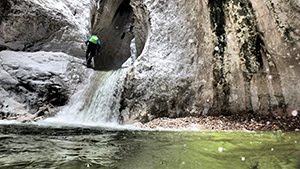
35	84
33	25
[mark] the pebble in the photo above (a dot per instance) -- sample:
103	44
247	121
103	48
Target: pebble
295	113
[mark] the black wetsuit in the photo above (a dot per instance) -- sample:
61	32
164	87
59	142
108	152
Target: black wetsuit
90	53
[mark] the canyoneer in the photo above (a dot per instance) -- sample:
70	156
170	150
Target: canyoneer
93	46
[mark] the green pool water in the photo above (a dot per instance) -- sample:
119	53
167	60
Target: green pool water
99	148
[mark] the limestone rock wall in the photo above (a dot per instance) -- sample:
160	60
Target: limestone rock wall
34	25
175	67
216	57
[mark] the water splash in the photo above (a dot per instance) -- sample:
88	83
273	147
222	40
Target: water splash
94	105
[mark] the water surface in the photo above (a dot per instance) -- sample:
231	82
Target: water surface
99	148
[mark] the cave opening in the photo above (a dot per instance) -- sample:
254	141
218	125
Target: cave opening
114	22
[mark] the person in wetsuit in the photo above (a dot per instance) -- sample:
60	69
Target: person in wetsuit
93	45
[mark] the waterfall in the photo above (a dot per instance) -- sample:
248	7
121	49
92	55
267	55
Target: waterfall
95	104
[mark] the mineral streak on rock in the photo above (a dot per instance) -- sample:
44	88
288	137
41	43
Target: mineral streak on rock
221	69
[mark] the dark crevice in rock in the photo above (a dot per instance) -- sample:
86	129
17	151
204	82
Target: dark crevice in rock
260	50
37	95
220	82
56	94
116	28
5	7
29	87
115	32
3	48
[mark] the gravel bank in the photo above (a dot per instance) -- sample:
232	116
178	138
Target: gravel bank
235	123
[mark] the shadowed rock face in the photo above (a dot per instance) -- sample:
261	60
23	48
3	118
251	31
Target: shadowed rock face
113	22
117	22
216	57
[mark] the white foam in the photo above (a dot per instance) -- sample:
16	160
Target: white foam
93	105
7	122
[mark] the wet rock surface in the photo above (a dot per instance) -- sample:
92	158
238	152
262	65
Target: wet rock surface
35	85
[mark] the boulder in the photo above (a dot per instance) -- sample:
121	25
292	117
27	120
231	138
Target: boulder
34	25
36	83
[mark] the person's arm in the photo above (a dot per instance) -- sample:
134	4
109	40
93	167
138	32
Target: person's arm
98	46
87	41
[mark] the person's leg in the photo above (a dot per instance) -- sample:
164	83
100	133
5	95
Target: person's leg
92	54
87	55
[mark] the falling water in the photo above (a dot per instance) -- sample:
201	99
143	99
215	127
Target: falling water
95	104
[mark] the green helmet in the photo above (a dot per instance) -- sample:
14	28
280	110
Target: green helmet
94	39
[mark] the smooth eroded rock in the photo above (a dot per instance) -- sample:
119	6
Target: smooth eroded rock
32	81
